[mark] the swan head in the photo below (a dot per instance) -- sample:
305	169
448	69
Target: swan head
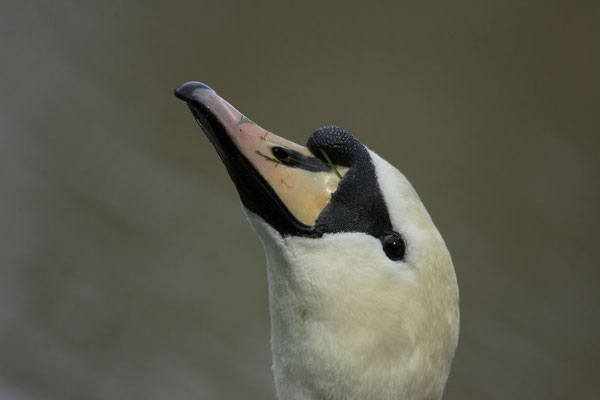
362	291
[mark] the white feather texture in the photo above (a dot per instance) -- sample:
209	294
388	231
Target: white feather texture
349	323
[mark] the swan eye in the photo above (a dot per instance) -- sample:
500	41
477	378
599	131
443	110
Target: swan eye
394	246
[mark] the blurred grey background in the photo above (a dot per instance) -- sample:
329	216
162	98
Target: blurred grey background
127	268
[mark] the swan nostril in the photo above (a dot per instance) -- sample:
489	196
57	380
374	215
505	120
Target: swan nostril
280	153
294	159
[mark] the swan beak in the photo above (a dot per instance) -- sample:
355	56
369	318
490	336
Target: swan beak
277	179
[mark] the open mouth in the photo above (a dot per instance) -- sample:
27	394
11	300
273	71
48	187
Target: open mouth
281	181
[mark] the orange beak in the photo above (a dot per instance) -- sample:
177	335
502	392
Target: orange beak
279	180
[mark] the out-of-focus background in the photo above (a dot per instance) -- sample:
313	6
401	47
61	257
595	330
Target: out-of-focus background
128	270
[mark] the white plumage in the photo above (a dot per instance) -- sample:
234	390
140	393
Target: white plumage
349	320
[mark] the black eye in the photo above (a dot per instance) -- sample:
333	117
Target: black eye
393	246
280	153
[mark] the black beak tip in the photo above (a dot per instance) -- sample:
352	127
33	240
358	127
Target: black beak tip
185	92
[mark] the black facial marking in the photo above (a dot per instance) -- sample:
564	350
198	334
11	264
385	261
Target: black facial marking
294	159
357	205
